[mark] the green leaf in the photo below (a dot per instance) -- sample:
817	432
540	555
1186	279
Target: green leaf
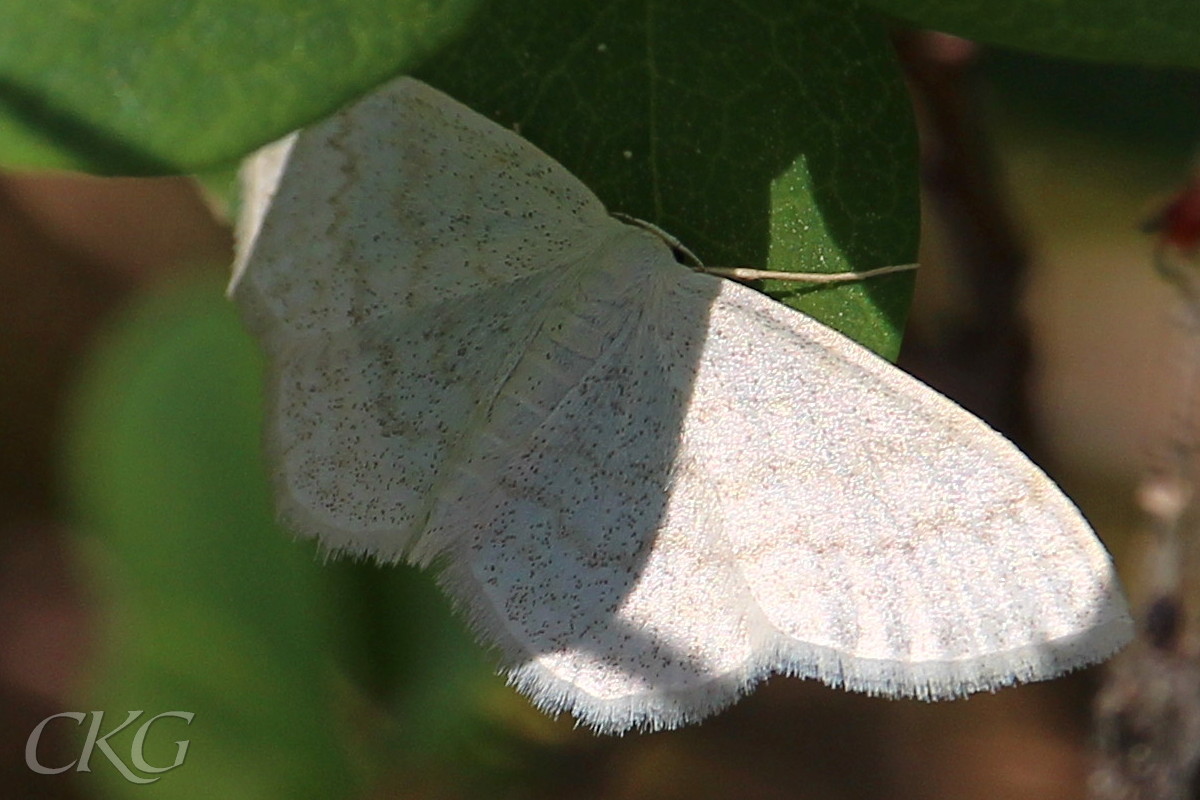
208	606
158	86
1145	32
768	133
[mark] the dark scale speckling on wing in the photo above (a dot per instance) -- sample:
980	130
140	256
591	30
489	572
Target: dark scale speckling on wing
647	487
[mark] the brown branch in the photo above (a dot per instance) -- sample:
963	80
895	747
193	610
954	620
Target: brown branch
981	357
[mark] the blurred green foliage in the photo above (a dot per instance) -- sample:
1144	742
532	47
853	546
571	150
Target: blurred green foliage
1142	32
1147	109
209	607
145	86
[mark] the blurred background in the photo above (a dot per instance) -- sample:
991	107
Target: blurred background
140	567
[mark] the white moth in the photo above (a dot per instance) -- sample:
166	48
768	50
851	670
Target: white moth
648	487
